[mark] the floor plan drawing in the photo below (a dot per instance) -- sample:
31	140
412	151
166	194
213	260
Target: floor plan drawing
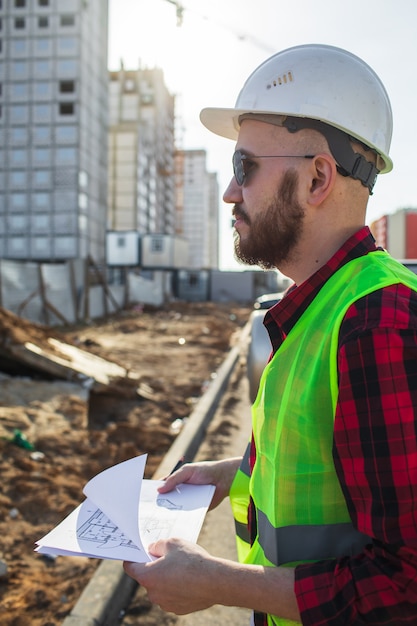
100	530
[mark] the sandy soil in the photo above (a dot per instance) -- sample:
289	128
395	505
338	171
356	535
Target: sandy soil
75	435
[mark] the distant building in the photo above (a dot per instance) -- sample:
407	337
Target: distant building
53	129
397	233
141	192
198	208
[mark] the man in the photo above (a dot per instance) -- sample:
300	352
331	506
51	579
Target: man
330	481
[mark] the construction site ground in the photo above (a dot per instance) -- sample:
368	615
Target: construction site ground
55	435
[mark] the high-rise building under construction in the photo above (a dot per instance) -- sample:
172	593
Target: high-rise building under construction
53	129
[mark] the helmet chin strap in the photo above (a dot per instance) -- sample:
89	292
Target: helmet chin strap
349	162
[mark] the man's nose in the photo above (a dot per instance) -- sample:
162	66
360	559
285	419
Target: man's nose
233	193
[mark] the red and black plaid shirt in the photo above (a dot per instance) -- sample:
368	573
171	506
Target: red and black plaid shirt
375	452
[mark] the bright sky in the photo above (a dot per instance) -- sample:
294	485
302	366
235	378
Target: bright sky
220	42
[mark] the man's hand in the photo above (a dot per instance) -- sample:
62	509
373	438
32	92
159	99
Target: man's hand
180	580
186	578
218	473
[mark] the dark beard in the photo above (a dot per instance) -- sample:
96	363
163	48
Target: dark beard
275	231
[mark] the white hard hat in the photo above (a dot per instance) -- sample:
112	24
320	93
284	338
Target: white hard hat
315	82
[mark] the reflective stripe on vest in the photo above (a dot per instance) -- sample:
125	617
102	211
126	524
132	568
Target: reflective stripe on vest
308	543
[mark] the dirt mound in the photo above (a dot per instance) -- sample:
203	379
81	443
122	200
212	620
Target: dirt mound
55	435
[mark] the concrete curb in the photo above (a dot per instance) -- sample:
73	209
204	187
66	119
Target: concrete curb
110	589
189	439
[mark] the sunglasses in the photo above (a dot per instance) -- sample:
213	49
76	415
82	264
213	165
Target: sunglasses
241	161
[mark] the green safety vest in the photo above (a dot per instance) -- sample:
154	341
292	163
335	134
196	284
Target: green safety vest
301	513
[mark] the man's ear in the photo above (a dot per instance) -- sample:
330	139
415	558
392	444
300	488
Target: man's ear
323	175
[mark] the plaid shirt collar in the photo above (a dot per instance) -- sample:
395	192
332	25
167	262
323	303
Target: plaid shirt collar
281	318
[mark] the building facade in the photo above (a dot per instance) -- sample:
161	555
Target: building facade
141	192
53	129
397	233
198	208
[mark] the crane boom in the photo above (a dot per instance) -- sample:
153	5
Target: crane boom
241	36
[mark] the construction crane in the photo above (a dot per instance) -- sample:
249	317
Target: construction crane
179	9
241	36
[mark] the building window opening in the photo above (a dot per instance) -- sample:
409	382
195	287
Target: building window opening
157	245
129	85
67	20
19	23
193	280
66	86
66	108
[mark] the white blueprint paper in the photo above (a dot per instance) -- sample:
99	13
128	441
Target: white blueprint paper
123	514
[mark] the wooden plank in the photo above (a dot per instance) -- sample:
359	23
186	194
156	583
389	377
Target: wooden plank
69	362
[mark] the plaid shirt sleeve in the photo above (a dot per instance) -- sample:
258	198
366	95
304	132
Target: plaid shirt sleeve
375	454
